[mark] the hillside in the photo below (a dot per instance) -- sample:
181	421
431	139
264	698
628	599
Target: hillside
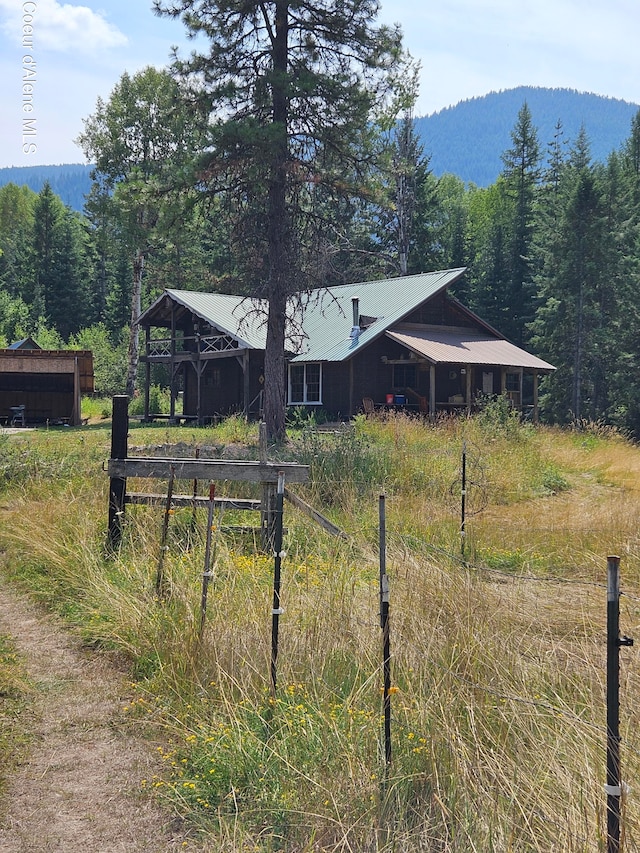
468	139
71	182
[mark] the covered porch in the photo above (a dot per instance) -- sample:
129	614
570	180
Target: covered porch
452	369
212	370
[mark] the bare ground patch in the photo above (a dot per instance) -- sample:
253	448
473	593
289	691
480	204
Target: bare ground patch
80	787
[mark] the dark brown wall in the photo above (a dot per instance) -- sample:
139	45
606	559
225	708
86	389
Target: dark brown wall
45	397
367	375
222	386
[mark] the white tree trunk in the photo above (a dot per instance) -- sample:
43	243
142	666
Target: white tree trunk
136	303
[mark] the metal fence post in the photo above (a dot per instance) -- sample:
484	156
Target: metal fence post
614	785
276	610
384	624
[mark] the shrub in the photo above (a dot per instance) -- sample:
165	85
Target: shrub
497	415
159	402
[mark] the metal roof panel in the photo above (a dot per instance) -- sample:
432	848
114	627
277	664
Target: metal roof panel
464	346
238	316
328	312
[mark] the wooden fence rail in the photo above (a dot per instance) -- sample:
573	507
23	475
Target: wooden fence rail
121	467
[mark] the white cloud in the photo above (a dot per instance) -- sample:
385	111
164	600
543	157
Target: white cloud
60	27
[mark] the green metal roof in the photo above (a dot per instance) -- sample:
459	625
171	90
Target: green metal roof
239	316
327	313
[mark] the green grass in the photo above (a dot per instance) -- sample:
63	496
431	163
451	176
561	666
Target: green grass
498	701
15	697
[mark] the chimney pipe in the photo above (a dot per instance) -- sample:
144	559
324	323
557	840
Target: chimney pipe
355	304
355	328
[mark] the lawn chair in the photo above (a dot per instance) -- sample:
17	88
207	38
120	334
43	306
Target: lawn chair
368	406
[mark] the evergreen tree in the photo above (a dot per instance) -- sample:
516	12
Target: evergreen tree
66	302
521	174
489	218
16	238
577	307
416	203
451	221
291	88
622	183
48	213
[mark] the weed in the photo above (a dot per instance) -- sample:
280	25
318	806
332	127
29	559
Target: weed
497	415
15	694
497	703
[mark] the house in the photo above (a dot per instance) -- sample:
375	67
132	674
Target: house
38	385
401	342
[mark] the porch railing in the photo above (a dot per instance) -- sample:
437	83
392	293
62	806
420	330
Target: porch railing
161	347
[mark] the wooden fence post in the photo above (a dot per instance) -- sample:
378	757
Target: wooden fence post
268	508
118	485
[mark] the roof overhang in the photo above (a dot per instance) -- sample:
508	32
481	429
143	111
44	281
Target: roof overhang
235	316
443	345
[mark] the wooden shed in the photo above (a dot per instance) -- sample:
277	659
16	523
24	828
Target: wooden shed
47	383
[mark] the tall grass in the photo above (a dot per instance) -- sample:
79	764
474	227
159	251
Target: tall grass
498	697
15	703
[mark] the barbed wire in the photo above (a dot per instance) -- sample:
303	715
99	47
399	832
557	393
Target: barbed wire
467	564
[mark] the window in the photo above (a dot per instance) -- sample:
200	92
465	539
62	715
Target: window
404	376
513	388
305	384
212	378
513	382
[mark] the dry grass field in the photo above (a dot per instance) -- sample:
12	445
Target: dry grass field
498	647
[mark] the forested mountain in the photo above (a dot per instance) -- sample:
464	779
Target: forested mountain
468	138
70	182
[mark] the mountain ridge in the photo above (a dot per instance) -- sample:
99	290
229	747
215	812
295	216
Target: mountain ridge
489	119
466	139
69	181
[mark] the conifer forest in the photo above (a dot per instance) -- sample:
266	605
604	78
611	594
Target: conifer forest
552	247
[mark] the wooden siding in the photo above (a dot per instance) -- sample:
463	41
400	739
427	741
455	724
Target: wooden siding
222	388
441	311
48	383
50	362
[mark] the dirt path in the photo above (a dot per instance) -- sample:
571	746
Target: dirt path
80	790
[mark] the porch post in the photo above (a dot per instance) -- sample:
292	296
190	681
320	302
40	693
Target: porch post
521	384
432	390
199	371
503	380
172	370
468	389
535	398
147	371
246	377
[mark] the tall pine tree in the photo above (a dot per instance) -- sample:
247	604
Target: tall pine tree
521	174
291	88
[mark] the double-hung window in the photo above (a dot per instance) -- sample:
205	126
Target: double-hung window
305	384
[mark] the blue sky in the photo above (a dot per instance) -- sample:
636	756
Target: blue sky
466	47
